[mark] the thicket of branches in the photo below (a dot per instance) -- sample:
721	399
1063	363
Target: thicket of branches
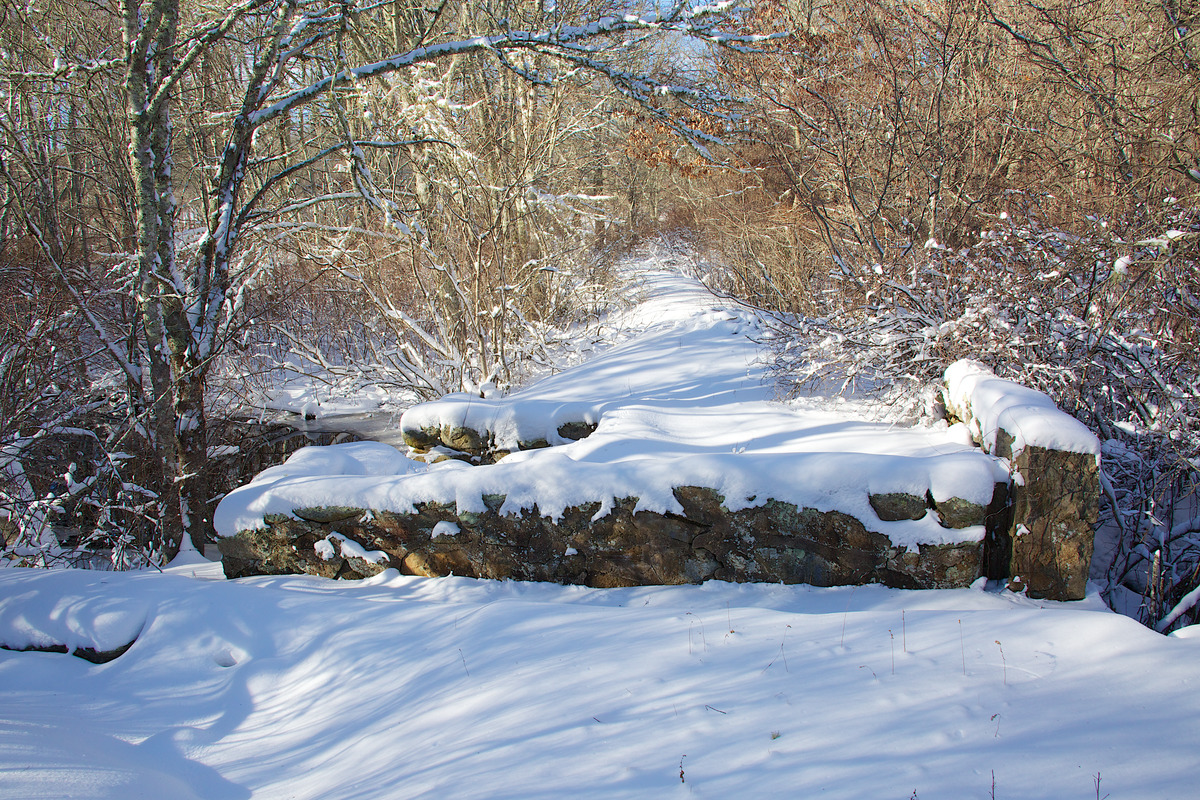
1004	181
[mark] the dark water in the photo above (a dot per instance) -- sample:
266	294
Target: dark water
381	426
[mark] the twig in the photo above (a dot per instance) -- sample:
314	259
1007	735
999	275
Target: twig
963	645
782	654
464	662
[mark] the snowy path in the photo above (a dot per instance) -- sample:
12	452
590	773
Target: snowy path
689	374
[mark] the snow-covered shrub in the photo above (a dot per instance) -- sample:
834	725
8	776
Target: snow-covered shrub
70	496
351	315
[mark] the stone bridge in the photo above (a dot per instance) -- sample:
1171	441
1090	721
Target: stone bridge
1027	516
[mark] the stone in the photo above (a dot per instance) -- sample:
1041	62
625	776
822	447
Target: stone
89	654
895	506
576	430
1042	534
468	440
774	542
327	513
956	513
439	454
422	440
1055	506
479	447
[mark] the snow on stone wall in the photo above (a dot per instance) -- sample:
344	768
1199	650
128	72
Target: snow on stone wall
990	404
1055	465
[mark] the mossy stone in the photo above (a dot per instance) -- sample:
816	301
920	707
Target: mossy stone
896	506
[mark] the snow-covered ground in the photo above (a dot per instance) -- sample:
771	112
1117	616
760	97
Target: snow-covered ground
400	687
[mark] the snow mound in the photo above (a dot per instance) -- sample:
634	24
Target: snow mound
68	618
396	686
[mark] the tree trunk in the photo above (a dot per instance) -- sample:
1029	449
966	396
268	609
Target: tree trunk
149	42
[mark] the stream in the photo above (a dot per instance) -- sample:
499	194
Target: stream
377	426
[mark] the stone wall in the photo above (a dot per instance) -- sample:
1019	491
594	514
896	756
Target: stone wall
436	442
1039	525
1045	545
775	542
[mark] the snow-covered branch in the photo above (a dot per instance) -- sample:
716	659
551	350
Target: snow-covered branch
558	41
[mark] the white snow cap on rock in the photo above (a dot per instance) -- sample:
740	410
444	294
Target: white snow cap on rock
1029	416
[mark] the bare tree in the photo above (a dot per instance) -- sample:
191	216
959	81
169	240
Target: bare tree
265	86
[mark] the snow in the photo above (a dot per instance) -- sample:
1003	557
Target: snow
324	549
1029	416
354	458
352	549
298	687
348	548
681	397
323	396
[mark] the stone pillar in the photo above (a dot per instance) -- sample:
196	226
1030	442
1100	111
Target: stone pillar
1056	504
1054	461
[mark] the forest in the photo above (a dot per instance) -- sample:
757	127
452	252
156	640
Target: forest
424	195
